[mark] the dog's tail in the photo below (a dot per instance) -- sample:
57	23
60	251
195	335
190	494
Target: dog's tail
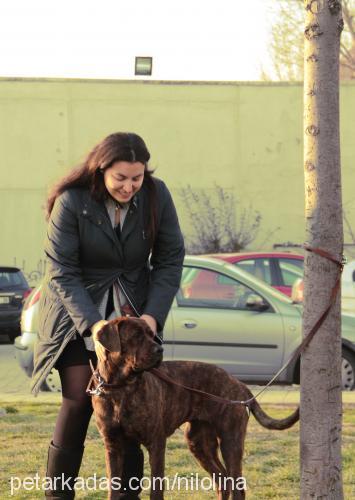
273	423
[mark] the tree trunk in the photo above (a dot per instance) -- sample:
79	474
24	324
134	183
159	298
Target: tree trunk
321	406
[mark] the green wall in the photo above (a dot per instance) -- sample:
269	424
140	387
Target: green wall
244	136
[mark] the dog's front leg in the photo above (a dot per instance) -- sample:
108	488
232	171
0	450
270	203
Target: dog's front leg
114	465
156	452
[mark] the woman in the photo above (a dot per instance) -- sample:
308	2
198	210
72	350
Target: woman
113	245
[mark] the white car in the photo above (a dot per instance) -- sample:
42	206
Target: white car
347	289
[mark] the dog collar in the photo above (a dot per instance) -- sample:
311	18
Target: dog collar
98	387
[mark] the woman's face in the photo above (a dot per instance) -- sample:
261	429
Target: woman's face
123	179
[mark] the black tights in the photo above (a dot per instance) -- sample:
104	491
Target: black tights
76	410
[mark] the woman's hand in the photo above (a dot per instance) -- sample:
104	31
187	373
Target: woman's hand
99	348
151	322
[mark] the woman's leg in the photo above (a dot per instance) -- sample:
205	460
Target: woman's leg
76	410
66	449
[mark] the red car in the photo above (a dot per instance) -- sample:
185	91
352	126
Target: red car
279	269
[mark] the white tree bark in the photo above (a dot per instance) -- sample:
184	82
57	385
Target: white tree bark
321	405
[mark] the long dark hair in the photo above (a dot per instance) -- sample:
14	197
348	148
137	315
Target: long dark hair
120	146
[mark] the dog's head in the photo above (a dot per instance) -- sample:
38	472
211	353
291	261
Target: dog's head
130	346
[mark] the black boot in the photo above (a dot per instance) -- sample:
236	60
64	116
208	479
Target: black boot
63	463
133	464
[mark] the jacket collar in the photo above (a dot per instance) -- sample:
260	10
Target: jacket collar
131	218
97	213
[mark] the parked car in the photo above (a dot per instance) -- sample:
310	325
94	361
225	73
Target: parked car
13	290
347	288
240	323
279	269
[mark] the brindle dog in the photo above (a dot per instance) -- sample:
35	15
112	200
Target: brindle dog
136	403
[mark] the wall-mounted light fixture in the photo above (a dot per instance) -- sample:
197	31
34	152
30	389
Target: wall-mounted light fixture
143	66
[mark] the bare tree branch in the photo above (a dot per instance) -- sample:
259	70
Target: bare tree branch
348	16
286	44
218	221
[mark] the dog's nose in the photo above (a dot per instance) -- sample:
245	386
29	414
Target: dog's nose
159	349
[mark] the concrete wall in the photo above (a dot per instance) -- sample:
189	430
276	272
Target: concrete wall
247	137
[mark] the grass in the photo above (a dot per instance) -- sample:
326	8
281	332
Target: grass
271	459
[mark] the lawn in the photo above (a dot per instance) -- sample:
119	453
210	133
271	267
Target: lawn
271	463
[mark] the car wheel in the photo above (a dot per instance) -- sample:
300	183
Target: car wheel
52	382
347	371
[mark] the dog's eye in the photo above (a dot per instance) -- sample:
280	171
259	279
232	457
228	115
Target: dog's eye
149	332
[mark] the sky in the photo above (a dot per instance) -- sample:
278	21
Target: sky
188	39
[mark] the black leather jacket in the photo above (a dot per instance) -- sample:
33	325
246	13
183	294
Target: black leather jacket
84	258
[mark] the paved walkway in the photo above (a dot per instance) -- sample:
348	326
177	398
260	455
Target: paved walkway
12	378
14	383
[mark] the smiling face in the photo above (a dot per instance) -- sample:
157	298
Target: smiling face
124	179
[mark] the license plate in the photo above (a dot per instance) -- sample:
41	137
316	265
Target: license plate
4	300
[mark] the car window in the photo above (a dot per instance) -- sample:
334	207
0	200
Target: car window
260	268
291	270
11	278
188	274
213	290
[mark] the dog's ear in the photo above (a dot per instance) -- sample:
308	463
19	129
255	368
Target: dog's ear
109	336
